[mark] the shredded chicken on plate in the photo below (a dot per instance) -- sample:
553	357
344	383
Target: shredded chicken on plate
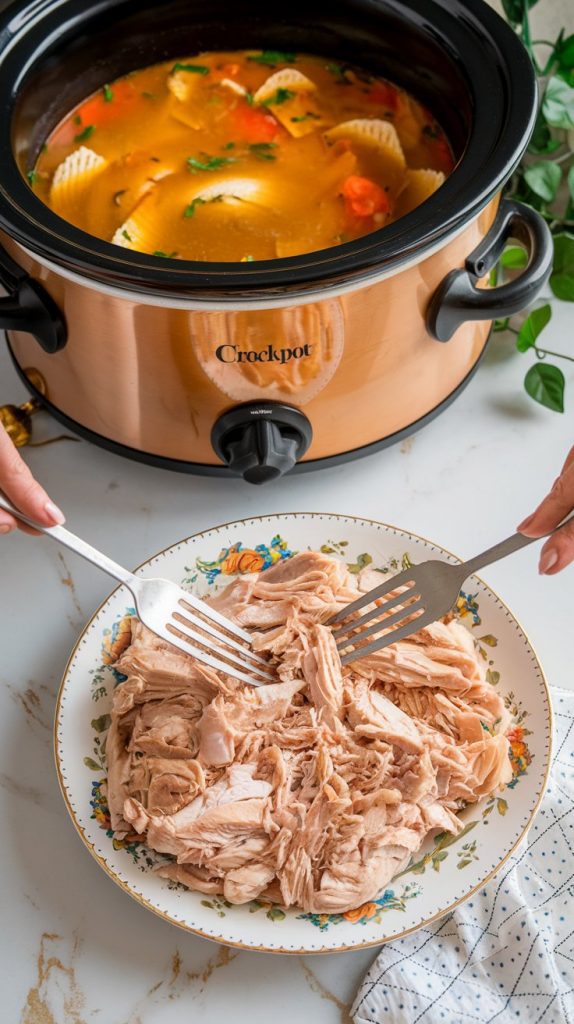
316	790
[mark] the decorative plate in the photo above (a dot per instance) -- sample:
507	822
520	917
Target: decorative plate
446	871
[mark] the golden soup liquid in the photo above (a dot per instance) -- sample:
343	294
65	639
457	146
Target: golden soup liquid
241	156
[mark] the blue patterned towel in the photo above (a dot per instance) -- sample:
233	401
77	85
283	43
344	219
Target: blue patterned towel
507	955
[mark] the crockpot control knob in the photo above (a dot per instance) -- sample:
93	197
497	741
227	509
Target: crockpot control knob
261	442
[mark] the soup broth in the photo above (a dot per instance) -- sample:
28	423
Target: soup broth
240	156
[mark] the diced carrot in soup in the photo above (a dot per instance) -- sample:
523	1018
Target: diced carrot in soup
239	156
363	197
254	124
385	94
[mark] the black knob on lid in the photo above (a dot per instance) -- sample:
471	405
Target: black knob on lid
261	442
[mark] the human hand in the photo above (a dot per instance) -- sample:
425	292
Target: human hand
558	551
26	493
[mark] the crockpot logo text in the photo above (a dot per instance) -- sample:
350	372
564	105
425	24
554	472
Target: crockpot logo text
234	354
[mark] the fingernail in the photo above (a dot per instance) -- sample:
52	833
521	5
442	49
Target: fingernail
547	560
525	523
5	528
55	513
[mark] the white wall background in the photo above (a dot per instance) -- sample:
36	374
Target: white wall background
548	17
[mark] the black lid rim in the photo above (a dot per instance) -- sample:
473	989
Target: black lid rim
482	171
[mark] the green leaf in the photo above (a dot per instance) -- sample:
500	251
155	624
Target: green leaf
501	325
558	103
102	723
449	839
85	134
542	143
362	561
275	914
194	69
544	179
273	57
280	95
309	116
92	765
191	208
489	640
108	94
532	327
514	257
211	163
545	384
562	279
262	150
571	182
464	862
565	53
515	9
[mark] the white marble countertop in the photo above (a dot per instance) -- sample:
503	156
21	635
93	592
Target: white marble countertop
75	948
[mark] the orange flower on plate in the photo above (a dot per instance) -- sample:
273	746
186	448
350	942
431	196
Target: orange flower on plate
365	910
242	562
516	734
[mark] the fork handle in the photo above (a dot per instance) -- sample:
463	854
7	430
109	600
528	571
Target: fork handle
507	547
74	543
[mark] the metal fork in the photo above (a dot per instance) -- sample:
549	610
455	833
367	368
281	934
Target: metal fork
427	592
170	612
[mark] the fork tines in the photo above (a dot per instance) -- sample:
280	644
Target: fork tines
227	654
392	608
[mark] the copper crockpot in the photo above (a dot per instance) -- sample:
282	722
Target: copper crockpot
256	369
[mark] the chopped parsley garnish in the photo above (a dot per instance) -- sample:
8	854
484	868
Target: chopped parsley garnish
194	69
77	119
280	95
117	196
85	134
340	73
148	95
32	177
249	98
211	163
247	259
127	235
108	94
155	159
228	145
310	115
262	150
198	201
190	210
165	255
273	57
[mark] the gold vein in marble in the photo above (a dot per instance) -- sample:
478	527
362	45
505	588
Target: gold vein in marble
56	997
317	986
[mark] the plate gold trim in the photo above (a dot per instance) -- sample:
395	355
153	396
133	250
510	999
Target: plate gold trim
280	949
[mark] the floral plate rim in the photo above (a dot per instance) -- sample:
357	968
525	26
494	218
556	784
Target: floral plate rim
257	947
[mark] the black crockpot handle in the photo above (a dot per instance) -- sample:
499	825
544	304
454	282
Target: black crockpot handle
29	307
458	299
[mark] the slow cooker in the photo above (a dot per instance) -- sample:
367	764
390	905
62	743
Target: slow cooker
261	368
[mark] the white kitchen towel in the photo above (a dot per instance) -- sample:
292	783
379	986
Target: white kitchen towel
507	955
